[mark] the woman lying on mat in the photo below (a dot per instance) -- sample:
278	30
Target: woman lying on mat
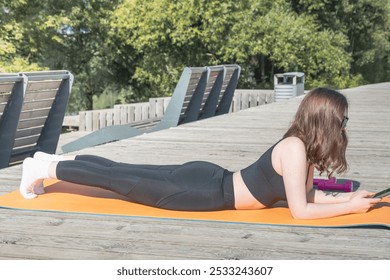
316	139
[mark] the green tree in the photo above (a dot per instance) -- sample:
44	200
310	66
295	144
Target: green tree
166	36
11	37
75	35
262	36
277	39
66	35
366	24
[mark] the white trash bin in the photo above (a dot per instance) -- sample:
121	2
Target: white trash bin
288	85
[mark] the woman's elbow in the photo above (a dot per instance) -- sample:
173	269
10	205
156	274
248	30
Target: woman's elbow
299	214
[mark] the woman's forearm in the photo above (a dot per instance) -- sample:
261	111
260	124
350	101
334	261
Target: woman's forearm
322	210
317	196
345	203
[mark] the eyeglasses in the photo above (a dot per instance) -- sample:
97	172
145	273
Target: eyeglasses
344	122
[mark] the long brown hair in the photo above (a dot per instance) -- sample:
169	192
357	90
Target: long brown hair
318	124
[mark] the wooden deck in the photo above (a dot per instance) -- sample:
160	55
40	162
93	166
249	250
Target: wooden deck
233	141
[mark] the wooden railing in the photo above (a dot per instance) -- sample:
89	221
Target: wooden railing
154	109
247	98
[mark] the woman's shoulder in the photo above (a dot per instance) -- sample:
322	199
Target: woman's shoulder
291	142
290	145
289	152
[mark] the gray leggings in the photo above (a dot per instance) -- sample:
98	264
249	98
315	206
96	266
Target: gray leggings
193	186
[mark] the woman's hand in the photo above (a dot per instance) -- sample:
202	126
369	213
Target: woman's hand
362	201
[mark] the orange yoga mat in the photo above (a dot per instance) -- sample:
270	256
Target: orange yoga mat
71	198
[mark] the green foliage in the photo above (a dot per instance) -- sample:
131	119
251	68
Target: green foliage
166	36
130	50
212	32
291	43
11	37
19	64
365	23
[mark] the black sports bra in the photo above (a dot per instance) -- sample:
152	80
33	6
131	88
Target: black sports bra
264	183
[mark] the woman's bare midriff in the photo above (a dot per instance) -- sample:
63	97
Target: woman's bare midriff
243	199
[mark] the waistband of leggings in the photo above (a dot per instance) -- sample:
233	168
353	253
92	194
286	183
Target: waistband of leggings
228	190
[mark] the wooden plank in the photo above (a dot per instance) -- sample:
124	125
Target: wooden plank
71	121
95	120
253	100
82	121
31	123
131	114
192	85
145	111
40	95
34	114
138	112
102	119
4	97
26	141
6	88
30	131
152	107
88	121
43	85
124	116
245	103
110	119
117	117
160	107
236	102
37	104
